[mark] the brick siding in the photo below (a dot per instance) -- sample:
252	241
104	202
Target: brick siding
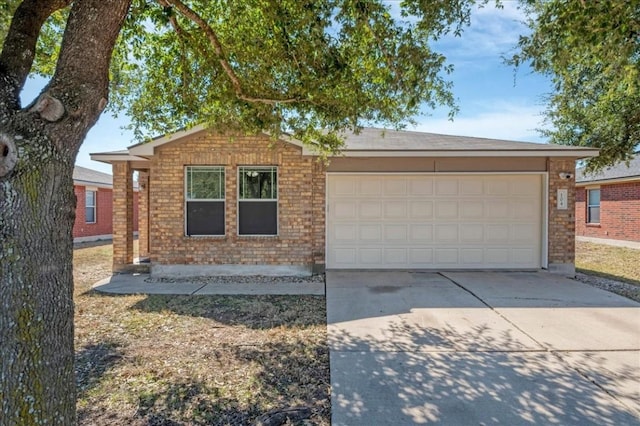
619	212
104	213
103	224
561	222
300	204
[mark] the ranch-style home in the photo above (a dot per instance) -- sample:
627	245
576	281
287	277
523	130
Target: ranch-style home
608	203
211	203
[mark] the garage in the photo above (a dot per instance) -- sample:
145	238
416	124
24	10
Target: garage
435	221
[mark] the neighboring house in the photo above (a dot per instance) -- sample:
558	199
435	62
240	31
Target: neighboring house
94	200
214	204
608	203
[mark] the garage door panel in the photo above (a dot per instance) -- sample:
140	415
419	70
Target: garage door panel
396	256
395	233
394	209
369	210
369	233
342	210
420	186
447	186
420	233
370	256
472	233
447	209
396	187
446	256
420	209
471	209
434	221
370	187
471	187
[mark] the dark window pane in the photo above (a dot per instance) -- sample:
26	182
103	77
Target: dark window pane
258	218
594	215
205	218
90	214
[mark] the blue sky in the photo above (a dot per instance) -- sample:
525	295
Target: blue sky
494	102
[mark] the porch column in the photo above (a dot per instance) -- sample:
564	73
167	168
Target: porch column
143	214
122	215
562	221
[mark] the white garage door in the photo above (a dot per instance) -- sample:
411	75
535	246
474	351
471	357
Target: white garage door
443	221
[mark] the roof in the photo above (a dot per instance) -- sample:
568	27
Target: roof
373	142
373	139
620	171
82	175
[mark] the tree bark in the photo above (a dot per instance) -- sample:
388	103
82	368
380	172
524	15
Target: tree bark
38	147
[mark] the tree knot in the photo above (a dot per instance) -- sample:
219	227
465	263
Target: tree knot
8	154
49	108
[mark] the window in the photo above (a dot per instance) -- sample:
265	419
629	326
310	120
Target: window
90	206
204	200
593	206
257	201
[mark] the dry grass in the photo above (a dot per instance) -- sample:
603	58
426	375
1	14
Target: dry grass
618	263
173	360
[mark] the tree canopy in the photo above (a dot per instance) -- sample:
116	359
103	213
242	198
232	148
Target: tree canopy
310	68
307	67
591	51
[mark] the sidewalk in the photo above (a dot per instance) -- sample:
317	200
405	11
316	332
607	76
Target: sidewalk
137	284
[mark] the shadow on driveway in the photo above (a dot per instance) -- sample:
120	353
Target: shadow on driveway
480	348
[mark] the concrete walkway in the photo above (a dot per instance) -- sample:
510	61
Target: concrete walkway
480	348
139	284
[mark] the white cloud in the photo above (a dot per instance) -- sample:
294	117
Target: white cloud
502	121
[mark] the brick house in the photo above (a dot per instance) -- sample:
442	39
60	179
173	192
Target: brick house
94	200
215	204
608	203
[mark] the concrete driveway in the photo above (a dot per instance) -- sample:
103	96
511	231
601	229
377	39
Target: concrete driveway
480	348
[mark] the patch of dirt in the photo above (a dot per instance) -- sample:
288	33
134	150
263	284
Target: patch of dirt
196	360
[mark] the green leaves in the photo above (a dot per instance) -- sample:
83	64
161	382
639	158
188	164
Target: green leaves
310	68
591	50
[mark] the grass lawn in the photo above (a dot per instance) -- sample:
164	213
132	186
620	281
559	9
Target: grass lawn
174	360
618	263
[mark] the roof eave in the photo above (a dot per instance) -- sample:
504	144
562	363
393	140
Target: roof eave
608	181
578	154
111	157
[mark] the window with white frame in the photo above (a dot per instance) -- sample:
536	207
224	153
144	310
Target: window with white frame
593	205
258	200
204	200
90	206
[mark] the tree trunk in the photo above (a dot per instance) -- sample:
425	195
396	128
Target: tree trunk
38	148
37	210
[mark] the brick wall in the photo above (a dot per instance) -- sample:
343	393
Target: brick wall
102	225
619	212
104	213
299	182
561	222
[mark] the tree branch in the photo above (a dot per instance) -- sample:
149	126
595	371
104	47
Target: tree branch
19	47
81	80
224	63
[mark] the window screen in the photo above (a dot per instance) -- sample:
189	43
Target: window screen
593	206
258	201
204	200
90	207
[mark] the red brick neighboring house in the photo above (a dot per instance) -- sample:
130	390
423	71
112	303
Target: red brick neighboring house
608	203
94	201
211	203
